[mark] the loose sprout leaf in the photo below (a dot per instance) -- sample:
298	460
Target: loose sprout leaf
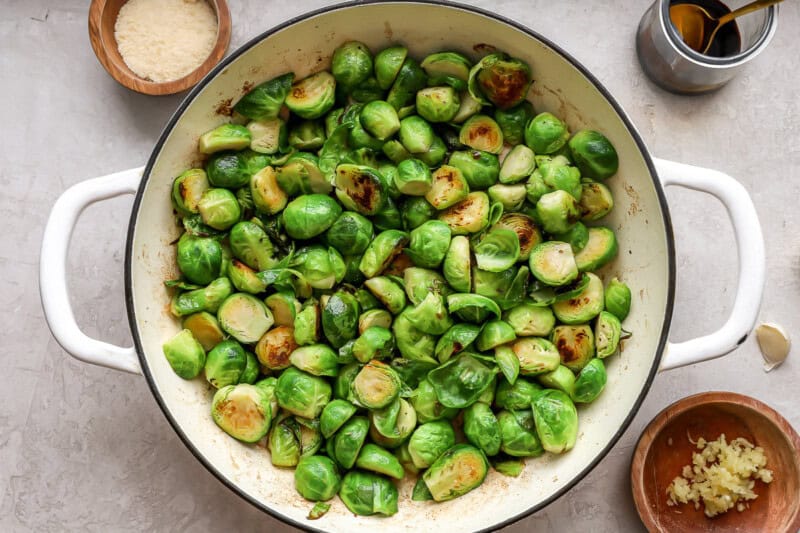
509	467
420	493
319	510
508	363
181	284
459	382
498	250
194	226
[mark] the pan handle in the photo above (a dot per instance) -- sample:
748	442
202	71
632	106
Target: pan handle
53	276
750	243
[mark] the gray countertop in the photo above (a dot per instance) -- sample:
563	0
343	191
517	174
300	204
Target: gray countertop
85	448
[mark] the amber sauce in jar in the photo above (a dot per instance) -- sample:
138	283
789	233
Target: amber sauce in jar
727	41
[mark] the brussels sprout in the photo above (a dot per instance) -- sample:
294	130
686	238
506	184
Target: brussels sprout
517	165
420	281
528	319
267	196
591	382
316	359
413	177
379	119
494	333
251	245
351	64
349	440
546	134
284	446
316	478
309	436
395	151
374	343
429	244
242	411
366	300
518	435
392	425
561	378
367	91
469	107
575	345
511	197
208	298
340	318
275	347
301	175
334	415
451	64
254	161
553	263
507	288
376	385
584	306
430	316
498	250
388	217
265	100
599	250
607	333
501	80
228	169
448	188
381	251
516	396
438	104
307	324
411	342
310	215
244	317
526	229
459	382
595	201
267	385
318	266
427	404
302	394
470	215
415	134
405	458
313	96
343	382
618	299
389	293
245	278
577	237
219	208
535	188
482	428
284	307
429	441
457	338
187	189
199	258
480	169
267	136
350	233
367	494
561	178
508	467
205	329
377	459
456	472
416	210
251	369
375	318
225	364
185	354
558	211
536	355
472	307
410	79
512	122
556	420
457	267
387	65
481	132
435	154
593	154
307	135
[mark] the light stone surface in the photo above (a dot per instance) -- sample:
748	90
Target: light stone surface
86	449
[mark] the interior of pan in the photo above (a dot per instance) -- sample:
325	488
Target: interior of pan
562	87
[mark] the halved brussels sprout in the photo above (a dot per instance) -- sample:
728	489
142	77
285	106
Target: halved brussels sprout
468	108
507	288
187	189
351	64
512	122
374	318
284	446
367	494
410	79
388	63
553	263
225	363
392	425
301	175
562	378
526	229
584	306
459	337
595	201
429	244
577	237
558	211
528	319
373	457
420	281
591	382
515	396
302	394
309	436
267	136
470	215
307	135
594	155
275	348
267	196
494	333
450	64
430	315
561	177
448	188
208	298
244	317
228	169
284	307
459	382
388	292
536	355
250	244
350	234
456	472
480	169
349	440
242	411
411	342
388	217
599	250
381	251
546	133
416	210
251	369
340	318
205	328
265	100
334	415
556	420
219	208
429	441
438	104
472	307
481	132
415	134
457	267
374	343
316	359
199	258
482	428
575	345
413	177
607	332
435	154
321	268
380	120
517	165
313	96
310	215
518	434
185	354
535	188
498	250
427	404
511	197
395	151
618	299
376	385
316	478
501	80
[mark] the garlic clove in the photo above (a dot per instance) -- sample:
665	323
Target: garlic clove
774	343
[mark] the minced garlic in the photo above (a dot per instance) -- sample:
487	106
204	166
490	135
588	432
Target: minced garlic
722	475
164	40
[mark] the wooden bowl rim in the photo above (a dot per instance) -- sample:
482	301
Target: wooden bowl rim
662	419
135	83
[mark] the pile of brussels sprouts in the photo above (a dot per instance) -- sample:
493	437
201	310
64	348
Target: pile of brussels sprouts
385	269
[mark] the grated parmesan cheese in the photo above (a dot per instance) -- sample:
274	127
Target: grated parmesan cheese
722	475
164	40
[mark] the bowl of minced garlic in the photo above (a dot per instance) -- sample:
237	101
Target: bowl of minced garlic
159	47
721	462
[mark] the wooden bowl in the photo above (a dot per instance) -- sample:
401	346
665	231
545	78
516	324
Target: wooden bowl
663	450
103	16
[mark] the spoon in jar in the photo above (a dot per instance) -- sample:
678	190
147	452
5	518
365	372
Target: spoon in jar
698	28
